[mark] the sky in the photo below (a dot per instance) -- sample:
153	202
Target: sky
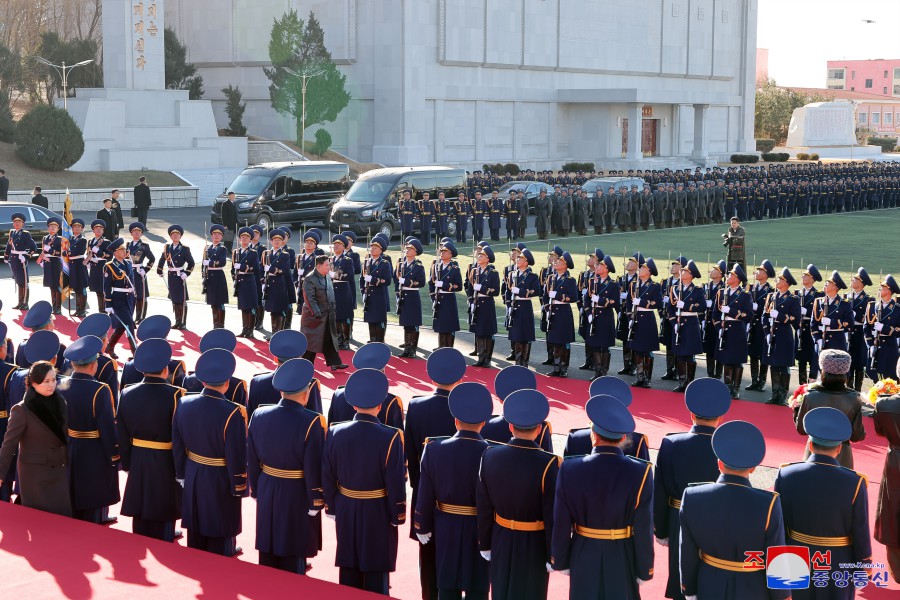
802	35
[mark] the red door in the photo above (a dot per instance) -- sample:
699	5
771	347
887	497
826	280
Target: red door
648	136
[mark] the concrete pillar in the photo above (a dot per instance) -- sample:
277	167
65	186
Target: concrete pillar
701	150
635	122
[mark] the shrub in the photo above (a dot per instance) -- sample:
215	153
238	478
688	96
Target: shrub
802	156
511	168
744	158
501	169
235	111
775	156
323	142
887	143
7	125
813	156
574	167
765	145
48	138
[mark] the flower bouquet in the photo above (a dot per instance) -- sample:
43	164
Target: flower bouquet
882	389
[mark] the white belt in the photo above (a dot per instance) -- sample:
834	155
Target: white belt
20	251
859	324
77	257
214	268
642	309
480	295
123	291
523	299
731	319
176	269
410	289
689	314
833	329
558	302
805	319
95	260
339	281
443	292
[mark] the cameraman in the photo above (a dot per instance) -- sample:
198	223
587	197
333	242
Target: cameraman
735	242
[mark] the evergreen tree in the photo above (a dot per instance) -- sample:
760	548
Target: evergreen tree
7	124
180	74
235	111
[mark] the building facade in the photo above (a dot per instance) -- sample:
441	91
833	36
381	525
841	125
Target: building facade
869	76
536	82
876	115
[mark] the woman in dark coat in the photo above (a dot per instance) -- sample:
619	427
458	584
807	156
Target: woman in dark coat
37	430
485	282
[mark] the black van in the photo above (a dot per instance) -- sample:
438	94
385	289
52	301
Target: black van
273	194
371	205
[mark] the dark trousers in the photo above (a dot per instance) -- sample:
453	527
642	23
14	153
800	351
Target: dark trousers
224	546
328	349
92	515
160	530
428	571
371	581
291	564
142	214
893	562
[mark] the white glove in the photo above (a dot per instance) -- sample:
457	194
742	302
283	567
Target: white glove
774	313
826	321
623	295
636	301
140	270
46	248
263	287
368	278
665	299
236	265
329	516
424	538
679	304
313	512
180	482
402	280
640	581
438	284
109	310
552	294
206	263
755	306
515	290
802	311
879	327
709	304
22	259
184	276
486	555
477	287
266	268
95	249
595	298
726	309
819	346
769	338
690	598
662	541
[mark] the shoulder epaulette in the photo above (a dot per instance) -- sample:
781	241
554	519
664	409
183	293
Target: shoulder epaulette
787	464
639	460
696	483
674	433
437	438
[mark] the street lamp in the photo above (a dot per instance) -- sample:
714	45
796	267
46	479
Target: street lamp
305	77
64	70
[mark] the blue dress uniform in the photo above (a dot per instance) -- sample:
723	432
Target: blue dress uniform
52	248
713	546
444	282
826	506
291	281
427	417
215	261
524	287
756	337
446	506
482	310
685	459
77	254
462	210
178	263
479	209
442	216
732	312
154	326
152	496
409	209
284	468
377	279
260	249
626	316
276	282
118	291
426	214
495	213
306	264
645	297
99	254
882	331
19	248
578	441
832	319
98	324
806	354
686	305
237	388
93	450
781	316
562	292
142	260
603	518
344	278
284	345
209	443
409	278
513	209
601	304
244	267
364	480
512	379
374	355
858	353
516	488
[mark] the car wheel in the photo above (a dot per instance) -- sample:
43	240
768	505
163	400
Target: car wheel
386	229
264	221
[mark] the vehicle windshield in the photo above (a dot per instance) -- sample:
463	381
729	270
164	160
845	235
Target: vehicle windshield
370	190
511	185
250	183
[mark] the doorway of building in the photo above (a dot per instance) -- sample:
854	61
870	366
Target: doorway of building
648	137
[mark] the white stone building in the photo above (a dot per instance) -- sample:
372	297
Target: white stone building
536	82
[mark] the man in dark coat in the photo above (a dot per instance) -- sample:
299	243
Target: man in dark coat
317	321
38	198
229	219
4	185
142	199
108	216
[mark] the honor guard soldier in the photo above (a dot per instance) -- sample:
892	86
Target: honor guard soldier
7	369
713	552
833	392
374	355
462	209
224	339
376	281
428	417
152	496
756	343
480	208
512	209
284	345
485	283
409	278
578	442
508	270
209	443
93	464
443	283
291	276
19	248
781	317
645	298
684	459
603	514
357	270
43	345
178	264
825	508
142	260
832	316
887	516
601	304
154	327
666	332
244	269
77	255
276	280
882	328
859	301
445	512
545	277
260	249
562	292
686	304
215	286
98	325
509	380
118	288
495	215
426	214
524	286
50	259
344	279
364	481
733	311
583	277
626	312
98	248
442	215
806	356
285	470
409	209
517	484
306	262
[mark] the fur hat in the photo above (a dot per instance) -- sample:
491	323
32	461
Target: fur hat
835	362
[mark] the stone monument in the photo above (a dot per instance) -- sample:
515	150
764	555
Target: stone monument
134	122
827	129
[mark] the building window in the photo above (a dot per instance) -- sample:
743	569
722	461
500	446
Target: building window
836	86
852	74
888	118
852	89
884	90
876	118
835	73
897	89
868	84
885	74
863	118
896	72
